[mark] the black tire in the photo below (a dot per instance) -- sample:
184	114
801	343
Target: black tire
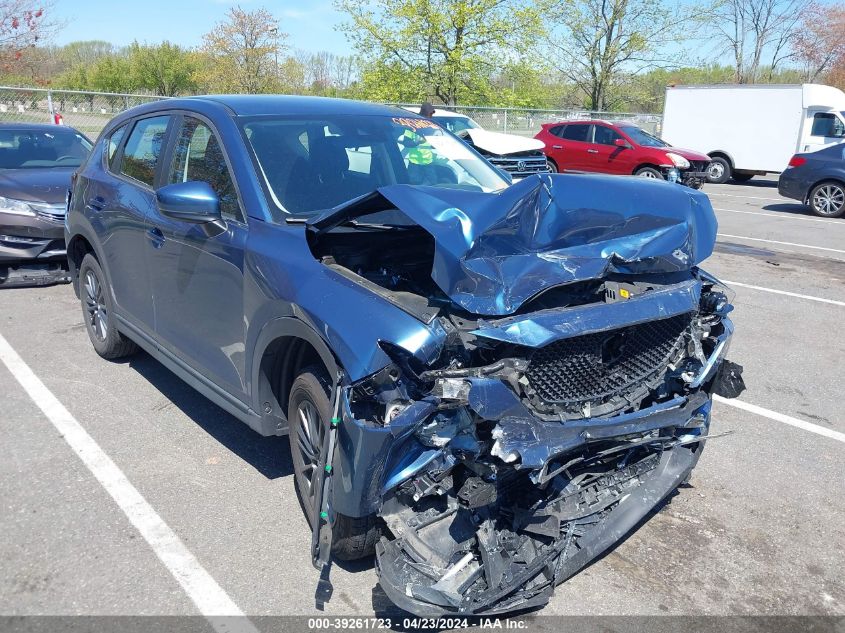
98	312
827	199
552	166
741	177
309	410
649	172
719	171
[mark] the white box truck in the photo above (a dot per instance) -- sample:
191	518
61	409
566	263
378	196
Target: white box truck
752	129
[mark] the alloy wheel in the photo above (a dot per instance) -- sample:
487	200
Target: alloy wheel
649	174
828	199
309	442
95	306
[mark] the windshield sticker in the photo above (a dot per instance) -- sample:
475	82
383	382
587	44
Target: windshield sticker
415	124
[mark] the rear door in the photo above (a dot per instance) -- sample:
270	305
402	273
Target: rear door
607	157
120	205
198	279
576	141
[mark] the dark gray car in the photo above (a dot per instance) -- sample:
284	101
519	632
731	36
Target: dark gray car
818	180
36	165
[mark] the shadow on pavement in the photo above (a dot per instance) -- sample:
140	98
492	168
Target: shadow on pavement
790	209
268	455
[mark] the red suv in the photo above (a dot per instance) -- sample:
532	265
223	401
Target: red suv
619	148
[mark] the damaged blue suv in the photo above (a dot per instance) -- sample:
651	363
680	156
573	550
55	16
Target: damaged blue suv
485	385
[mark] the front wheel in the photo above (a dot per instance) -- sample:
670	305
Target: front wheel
719	171
827	199
649	172
309	412
98	312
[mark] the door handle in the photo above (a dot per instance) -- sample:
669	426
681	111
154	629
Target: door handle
156	237
592	151
97	203
557	146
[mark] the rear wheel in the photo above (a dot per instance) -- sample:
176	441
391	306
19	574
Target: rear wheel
98	312
309	412
719	171
649	172
552	166
827	199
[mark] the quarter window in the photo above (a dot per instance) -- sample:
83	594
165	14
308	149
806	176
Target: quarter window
112	145
198	156
577	132
143	149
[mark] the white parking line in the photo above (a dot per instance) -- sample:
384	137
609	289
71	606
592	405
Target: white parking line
785	216
788	294
211	600
733	195
758	239
780	417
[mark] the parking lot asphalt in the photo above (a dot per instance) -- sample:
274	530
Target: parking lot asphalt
760	529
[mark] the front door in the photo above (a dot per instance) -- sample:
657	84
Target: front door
822	129
198	279
609	157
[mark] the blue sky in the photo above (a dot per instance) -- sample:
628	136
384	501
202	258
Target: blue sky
310	25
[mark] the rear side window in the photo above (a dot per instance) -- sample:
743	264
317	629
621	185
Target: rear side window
143	149
577	132
606	135
198	156
556	130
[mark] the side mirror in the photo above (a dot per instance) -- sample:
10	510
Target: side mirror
621	142
192	201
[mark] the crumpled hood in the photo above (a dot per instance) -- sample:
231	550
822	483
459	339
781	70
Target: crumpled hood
47	185
494	251
502	144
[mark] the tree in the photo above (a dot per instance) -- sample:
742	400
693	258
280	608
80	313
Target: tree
164	69
756	31
596	43
819	42
451	46
242	52
21	26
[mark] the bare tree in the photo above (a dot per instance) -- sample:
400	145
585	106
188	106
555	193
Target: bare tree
596	43
819	43
755	32
241	52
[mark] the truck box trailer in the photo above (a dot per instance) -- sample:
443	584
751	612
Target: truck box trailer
753	129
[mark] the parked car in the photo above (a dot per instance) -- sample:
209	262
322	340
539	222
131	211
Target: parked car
487	385
817	179
619	148
753	129
36	163
519	156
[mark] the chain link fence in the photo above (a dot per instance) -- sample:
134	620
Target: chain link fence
89	112
527	122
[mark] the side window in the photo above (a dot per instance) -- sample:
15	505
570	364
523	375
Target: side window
606	135
827	124
143	149
556	130
112	144
198	156
576	132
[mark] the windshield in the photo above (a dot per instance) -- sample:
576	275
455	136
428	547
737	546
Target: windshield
457	124
641	137
313	164
32	148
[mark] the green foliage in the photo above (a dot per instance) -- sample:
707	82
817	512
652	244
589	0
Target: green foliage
450	47
164	69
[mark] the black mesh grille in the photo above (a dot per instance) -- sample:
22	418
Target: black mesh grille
597	367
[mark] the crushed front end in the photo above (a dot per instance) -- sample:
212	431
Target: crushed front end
553	417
